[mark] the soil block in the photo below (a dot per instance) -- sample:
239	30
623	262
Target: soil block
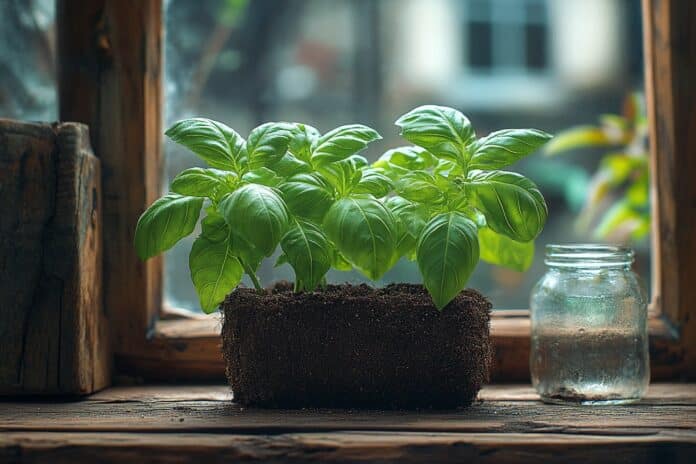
352	346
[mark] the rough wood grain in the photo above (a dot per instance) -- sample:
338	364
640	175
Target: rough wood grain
670	48
346	447
172	424
110	70
53	336
657	394
151	409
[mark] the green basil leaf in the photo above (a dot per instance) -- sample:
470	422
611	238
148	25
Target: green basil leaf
343	175
444	132
282	259
304	141
289	165
503	251
309	253
218	145
411	219
342	142
365	232
214	227
307	195
447	169
165	222
257	214
374	183
248	254
201	182
358	162
215	271
512	204
410	158
419	186
505	147
412	215
263	176
447	253
339	262
268	143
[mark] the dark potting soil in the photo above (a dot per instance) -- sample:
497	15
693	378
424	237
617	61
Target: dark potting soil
355	347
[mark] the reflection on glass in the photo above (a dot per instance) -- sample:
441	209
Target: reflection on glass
550	64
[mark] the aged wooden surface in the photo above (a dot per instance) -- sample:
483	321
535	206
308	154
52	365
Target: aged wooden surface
200	423
670	48
346	447
110	70
53	333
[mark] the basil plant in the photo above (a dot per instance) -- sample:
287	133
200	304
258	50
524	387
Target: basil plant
443	202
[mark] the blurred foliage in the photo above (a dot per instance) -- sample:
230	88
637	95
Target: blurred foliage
231	12
617	203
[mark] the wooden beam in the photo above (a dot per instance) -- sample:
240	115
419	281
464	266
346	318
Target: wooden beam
670	51
110	71
53	332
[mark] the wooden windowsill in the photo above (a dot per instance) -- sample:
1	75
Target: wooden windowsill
202	424
183	348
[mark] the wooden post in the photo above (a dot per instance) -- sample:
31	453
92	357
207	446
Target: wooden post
53	333
110	68
670	50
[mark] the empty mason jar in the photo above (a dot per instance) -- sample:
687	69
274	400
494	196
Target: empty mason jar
589	327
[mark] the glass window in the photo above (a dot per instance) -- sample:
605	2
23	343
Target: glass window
27	53
505	36
550	64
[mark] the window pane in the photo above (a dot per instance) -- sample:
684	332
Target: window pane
27	48
535	46
369	61
480	46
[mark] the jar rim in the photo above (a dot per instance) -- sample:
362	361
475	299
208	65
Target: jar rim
588	255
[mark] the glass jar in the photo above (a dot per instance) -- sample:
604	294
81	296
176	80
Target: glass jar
589	327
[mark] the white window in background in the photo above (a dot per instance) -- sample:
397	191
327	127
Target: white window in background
506	37
506	58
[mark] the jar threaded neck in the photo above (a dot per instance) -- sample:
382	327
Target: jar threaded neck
588	256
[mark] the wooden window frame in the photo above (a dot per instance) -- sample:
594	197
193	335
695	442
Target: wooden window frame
110	77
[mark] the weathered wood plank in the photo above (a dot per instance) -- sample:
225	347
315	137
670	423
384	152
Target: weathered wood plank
659	393
345	447
171	424
213	417
670	47
110	70
28	182
161	409
53	333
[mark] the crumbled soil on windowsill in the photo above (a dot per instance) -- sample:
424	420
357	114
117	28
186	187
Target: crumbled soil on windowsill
355	347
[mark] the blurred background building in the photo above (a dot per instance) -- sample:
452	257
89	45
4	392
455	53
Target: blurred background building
548	64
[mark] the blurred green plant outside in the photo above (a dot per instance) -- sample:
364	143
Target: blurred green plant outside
617	202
